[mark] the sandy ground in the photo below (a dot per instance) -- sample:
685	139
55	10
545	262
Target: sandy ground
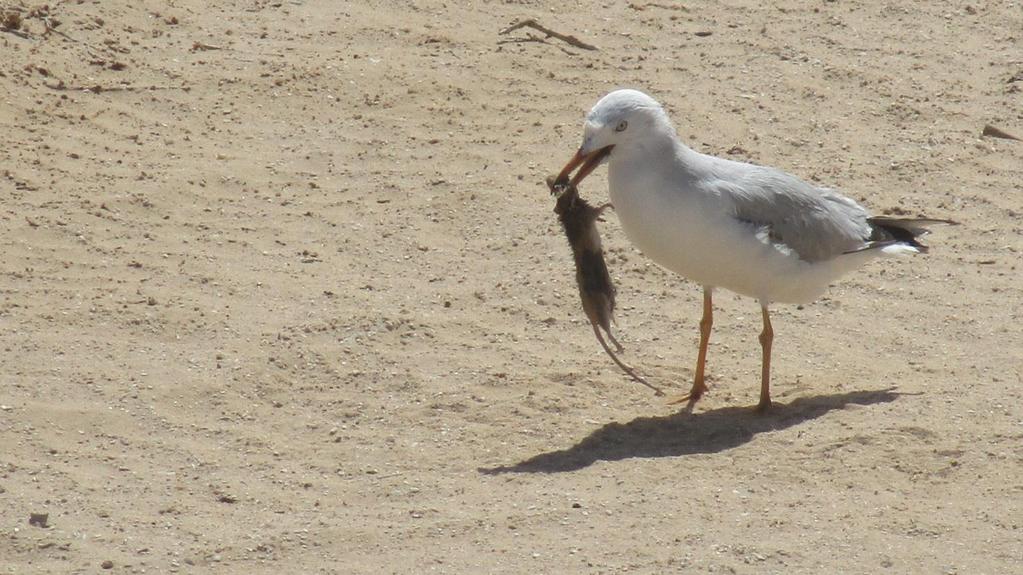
282	292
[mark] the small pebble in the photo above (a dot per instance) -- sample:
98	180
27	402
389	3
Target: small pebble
38	519
108	564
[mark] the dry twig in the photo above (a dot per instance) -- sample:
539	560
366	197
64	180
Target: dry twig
994	132
537	39
640	7
96	89
531	23
204	47
18	33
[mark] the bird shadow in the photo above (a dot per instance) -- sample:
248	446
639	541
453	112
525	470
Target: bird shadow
687	433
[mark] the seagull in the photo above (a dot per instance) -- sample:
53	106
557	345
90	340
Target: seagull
753	230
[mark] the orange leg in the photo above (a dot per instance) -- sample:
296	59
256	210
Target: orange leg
766	339
706	323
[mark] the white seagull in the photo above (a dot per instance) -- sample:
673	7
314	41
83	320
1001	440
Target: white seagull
754	230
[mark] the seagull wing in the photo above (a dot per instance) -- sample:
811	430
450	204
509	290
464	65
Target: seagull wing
816	224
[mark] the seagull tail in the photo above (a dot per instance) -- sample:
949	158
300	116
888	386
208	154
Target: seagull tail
897	236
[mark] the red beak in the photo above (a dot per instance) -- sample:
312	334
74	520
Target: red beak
589	163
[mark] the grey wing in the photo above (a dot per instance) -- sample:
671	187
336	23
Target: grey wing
815	223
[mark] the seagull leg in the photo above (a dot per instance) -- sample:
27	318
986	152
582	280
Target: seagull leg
766	338
706	322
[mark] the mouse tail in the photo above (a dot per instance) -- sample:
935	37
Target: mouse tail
628	370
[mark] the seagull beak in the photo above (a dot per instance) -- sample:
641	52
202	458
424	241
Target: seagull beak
589	163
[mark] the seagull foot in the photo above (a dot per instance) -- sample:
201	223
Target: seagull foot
692	397
683	399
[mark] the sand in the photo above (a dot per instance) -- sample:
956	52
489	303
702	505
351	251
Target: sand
283	292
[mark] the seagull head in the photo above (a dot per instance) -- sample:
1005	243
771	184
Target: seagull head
620	119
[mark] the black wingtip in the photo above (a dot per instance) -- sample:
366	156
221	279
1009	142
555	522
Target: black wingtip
887	230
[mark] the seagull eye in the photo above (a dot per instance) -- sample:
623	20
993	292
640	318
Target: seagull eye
621	126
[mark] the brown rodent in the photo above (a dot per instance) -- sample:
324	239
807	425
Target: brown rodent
579	220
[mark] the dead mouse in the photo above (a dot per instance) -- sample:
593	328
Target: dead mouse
579	220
